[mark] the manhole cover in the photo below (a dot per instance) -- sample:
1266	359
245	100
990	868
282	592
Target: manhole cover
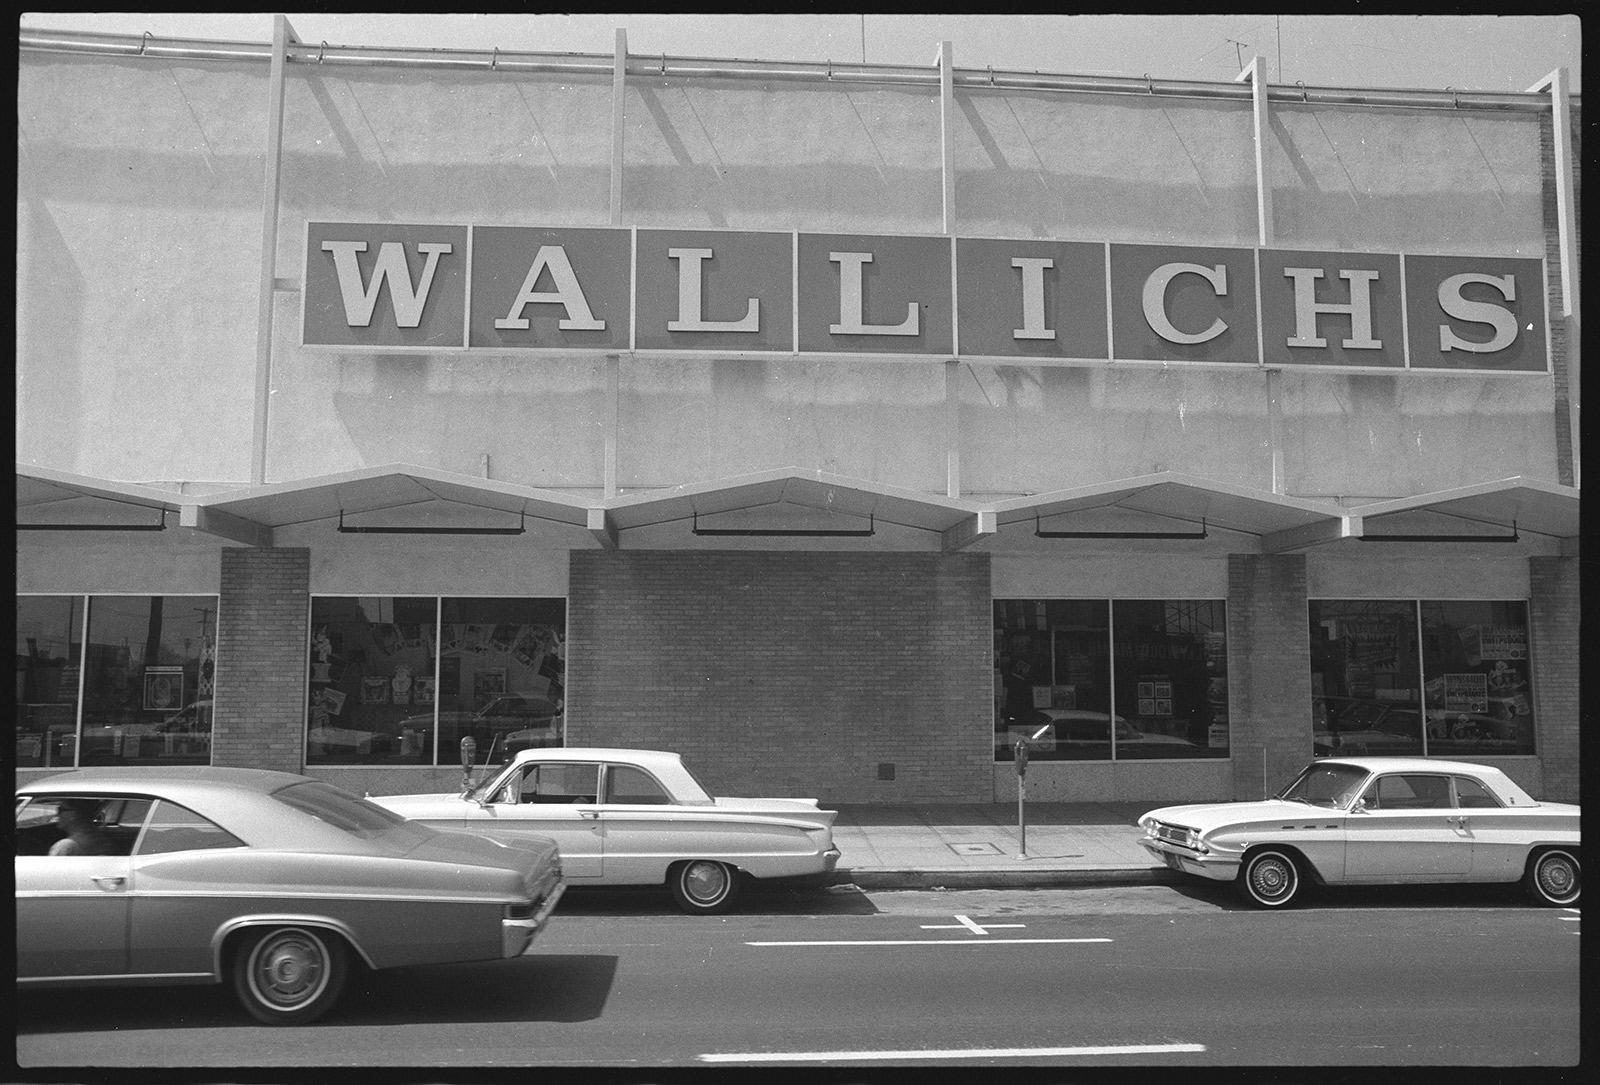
974	849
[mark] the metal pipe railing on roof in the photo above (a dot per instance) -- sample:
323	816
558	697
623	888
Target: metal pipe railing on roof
641	64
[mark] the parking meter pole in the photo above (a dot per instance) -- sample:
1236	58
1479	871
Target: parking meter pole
1021	754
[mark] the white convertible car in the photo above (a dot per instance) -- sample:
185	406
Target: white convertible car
1374	820
636	817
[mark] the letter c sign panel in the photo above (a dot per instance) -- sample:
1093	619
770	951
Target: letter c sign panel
1173	303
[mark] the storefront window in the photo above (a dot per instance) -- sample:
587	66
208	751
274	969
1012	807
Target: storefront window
49	655
147	671
1477	690
404	680
1094	680
1429	678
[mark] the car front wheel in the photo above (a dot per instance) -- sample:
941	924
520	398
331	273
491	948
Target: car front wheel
1270	878
1554	877
288	975
704	886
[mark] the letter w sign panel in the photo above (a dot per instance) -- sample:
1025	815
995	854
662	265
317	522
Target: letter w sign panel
389	287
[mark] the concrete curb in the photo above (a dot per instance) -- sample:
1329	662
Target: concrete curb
1004	879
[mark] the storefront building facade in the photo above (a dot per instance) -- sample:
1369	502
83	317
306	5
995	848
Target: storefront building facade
836	426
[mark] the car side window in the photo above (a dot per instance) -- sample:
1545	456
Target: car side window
1470	794
626	784
174	828
555	782
1406	792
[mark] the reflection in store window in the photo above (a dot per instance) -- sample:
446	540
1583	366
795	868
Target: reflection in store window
403	680
1092	680
1429	678
145	667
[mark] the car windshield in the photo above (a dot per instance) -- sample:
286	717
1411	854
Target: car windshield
1326	785
342	810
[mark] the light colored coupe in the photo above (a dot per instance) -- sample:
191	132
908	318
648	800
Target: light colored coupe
1374	820
273	882
637	817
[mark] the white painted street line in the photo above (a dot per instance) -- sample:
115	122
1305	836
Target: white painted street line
933	942
969	925
956	1053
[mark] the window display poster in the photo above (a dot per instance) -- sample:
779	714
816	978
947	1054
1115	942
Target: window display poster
163	689
1466	692
1041	696
1063	696
374	690
422	691
1500	642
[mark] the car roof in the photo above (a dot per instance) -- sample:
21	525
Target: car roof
646	758
1498	781
172	780
240	800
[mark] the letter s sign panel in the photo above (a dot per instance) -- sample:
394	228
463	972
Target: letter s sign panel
1473	312
384	285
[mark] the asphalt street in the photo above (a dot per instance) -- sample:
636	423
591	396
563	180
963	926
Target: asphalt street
1105	977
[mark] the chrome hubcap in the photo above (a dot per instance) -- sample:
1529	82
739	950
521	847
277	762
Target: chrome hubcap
705	882
289	969
1270	879
1556	877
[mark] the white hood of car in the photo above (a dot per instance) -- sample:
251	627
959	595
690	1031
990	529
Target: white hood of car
1214	815
448	804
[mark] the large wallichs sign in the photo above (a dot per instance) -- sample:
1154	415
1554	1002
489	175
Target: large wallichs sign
396	287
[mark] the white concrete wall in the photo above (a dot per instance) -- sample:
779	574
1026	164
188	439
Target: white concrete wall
139	204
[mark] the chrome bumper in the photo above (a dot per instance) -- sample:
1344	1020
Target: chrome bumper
830	859
516	935
1218	868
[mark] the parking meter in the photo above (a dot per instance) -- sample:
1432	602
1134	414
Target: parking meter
469	750
1021	751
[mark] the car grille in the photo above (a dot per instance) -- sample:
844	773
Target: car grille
1171	834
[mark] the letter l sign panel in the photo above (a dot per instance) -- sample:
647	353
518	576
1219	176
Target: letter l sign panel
384	285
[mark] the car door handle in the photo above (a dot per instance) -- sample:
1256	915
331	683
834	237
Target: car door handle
588	813
110	882
1460	821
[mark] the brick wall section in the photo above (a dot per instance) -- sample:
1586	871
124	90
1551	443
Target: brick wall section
1553	616
789	674
261	656
1269	670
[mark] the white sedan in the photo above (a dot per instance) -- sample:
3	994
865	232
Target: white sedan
1376	820
636	817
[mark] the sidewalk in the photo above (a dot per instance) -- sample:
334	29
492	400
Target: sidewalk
976	846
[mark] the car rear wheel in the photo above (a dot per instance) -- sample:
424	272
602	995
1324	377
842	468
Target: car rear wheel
1270	878
288	975
704	886
1554	877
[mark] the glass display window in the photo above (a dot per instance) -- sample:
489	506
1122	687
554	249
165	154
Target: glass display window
134	688
403	680
1423	678
1101	680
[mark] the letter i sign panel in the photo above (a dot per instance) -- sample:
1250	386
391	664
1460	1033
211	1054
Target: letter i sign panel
384	285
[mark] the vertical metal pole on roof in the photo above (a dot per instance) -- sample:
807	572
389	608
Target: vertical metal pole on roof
947	172
1559	84
1253	73
282	35
619	87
